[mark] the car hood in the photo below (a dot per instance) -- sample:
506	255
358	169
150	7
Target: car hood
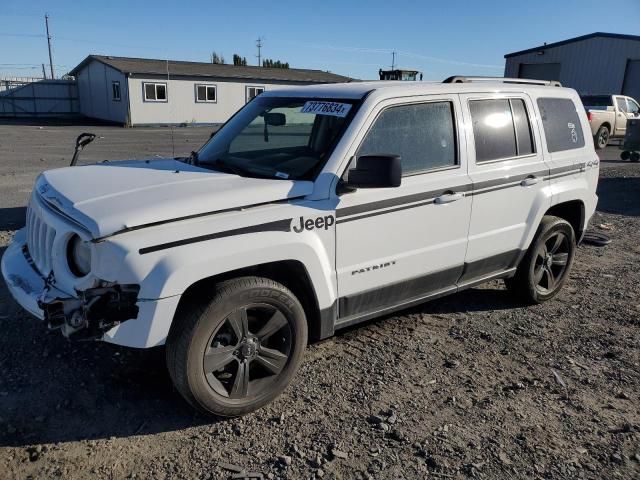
113	196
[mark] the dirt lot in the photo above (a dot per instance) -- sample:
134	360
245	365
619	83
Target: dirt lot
462	387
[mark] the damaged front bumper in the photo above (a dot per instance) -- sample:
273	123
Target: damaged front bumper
93	312
111	312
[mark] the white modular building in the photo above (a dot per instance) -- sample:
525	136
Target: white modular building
139	91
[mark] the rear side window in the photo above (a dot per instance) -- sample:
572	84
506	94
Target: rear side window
561	124
501	129
422	134
622	104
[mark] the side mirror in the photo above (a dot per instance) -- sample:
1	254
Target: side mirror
275	119
375	171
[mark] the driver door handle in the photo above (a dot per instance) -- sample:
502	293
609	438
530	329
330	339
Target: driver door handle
449	197
529	181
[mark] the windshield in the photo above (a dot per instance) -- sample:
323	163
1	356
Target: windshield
277	137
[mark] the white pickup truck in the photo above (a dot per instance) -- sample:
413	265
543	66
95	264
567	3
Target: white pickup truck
312	209
608	115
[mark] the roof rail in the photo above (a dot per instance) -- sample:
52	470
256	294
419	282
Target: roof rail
460	79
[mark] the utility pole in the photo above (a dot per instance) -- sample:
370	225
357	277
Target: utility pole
259	45
393	60
44	72
46	22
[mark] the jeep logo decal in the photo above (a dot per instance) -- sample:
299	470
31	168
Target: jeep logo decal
318	222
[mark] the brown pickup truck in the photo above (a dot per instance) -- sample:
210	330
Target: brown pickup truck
608	115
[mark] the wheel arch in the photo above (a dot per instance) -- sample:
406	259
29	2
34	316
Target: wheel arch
291	273
605	124
573	211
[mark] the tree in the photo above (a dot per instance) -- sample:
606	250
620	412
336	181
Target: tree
239	61
215	58
269	63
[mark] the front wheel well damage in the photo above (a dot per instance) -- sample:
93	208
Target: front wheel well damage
573	212
290	273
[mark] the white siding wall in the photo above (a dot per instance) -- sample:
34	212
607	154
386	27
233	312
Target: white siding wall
182	107
592	66
95	93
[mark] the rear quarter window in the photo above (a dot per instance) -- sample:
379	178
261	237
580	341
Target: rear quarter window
561	123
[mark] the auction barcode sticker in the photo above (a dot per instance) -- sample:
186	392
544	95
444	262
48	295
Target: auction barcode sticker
335	109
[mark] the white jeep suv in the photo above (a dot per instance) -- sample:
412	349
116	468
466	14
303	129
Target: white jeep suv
313	208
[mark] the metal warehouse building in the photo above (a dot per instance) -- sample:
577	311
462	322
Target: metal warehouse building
137	91
599	63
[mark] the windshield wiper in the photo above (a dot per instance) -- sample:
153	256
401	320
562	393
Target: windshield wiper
220	164
193	158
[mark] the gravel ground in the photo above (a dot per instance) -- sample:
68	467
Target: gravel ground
469	386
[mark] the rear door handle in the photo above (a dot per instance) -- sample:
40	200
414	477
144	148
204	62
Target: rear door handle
449	197
529	181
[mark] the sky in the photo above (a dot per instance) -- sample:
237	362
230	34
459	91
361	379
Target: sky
354	38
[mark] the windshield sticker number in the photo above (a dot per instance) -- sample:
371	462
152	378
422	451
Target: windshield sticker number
335	109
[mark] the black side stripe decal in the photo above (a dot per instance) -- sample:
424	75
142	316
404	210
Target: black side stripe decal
507	181
394	202
277	226
426	198
373	214
196	215
374	208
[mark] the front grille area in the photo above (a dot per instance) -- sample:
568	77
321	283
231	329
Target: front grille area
40	237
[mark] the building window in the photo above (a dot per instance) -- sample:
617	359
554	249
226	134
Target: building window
501	129
561	123
253	92
154	92
115	91
422	134
206	93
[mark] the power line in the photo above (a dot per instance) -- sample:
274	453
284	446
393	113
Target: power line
33	35
404	53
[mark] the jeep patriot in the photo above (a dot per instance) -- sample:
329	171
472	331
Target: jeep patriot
312	209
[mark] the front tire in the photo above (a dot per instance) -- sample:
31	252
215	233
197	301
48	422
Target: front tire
602	137
237	351
546	265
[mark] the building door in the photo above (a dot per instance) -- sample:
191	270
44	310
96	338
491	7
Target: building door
401	245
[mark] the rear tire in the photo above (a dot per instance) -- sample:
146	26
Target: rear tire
545	267
625	155
602	137
635	157
233	353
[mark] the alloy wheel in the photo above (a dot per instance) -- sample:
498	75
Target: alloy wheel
603	138
551	262
248	351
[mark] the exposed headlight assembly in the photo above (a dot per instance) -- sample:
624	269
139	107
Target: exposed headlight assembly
78	256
